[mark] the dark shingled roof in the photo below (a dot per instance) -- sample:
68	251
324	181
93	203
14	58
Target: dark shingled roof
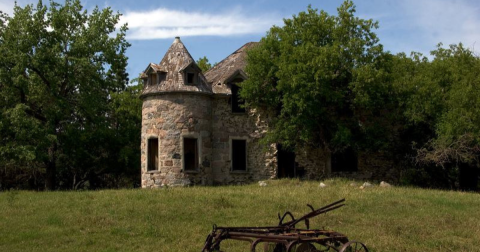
176	60
232	66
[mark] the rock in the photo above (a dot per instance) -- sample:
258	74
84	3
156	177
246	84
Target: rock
361	187
322	185
366	184
353	184
385	184
262	183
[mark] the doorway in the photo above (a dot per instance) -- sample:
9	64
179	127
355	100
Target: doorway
285	163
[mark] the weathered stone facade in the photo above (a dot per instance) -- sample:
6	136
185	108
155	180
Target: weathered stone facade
179	102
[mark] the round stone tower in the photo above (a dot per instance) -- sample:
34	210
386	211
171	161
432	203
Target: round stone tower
176	145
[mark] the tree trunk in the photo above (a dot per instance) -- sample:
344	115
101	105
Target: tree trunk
51	171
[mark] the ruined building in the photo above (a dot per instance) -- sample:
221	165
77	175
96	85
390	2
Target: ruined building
196	131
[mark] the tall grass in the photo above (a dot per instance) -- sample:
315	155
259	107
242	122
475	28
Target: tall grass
179	219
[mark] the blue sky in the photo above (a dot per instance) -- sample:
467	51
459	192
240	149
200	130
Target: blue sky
216	28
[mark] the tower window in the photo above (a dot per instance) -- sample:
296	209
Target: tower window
239	155
153	79
152	154
190	78
162	76
190	154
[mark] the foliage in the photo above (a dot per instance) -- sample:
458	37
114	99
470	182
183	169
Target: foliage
59	66
179	219
325	77
203	64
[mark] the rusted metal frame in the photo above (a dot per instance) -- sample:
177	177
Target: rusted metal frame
284	237
257	241
312	214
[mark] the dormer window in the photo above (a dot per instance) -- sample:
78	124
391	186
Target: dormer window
153	79
191	78
162	76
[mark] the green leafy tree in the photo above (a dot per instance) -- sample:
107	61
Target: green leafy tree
441	100
203	64
58	68
325	76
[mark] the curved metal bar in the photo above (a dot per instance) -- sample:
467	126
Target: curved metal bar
285	215
254	244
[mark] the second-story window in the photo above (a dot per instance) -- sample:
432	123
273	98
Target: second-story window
238	104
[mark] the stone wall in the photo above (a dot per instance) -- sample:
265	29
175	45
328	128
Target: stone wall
312	163
170	117
373	166
250	126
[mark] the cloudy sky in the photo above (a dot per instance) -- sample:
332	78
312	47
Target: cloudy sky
216	28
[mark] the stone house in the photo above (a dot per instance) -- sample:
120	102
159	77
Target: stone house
196	131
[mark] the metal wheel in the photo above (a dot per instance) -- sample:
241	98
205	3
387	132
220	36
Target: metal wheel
274	247
306	247
353	246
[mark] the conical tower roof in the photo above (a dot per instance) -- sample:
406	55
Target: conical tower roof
177	72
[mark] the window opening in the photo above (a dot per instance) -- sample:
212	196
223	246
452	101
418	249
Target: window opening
154	79
344	161
239	155
152	154
190	78
190	154
238	104
162	76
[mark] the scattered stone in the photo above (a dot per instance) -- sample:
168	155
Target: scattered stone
322	185
385	184
366	184
262	183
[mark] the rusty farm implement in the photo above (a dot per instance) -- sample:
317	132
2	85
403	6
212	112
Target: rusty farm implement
286	237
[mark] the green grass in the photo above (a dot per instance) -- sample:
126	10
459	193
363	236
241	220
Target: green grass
179	219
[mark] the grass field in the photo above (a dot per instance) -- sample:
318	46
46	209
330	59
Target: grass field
179	219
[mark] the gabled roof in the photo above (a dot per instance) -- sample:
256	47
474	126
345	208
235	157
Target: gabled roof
176	60
229	68
152	67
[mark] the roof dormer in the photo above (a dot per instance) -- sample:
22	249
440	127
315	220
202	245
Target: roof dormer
177	71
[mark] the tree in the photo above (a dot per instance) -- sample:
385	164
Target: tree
203	64
59	66
442	99
325	76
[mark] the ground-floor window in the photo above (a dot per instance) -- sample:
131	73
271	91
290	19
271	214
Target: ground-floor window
239	155
190	154
152	154
345	161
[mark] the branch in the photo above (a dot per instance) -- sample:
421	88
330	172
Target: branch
41	76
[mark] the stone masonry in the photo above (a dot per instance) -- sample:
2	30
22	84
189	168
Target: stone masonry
179	102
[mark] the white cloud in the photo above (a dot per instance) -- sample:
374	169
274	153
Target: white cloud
446	21
166	23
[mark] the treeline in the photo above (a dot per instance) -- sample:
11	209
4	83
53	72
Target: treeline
333	86
70	120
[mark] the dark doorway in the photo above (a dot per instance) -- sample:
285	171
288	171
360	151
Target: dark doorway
344	161
285	162
239	155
